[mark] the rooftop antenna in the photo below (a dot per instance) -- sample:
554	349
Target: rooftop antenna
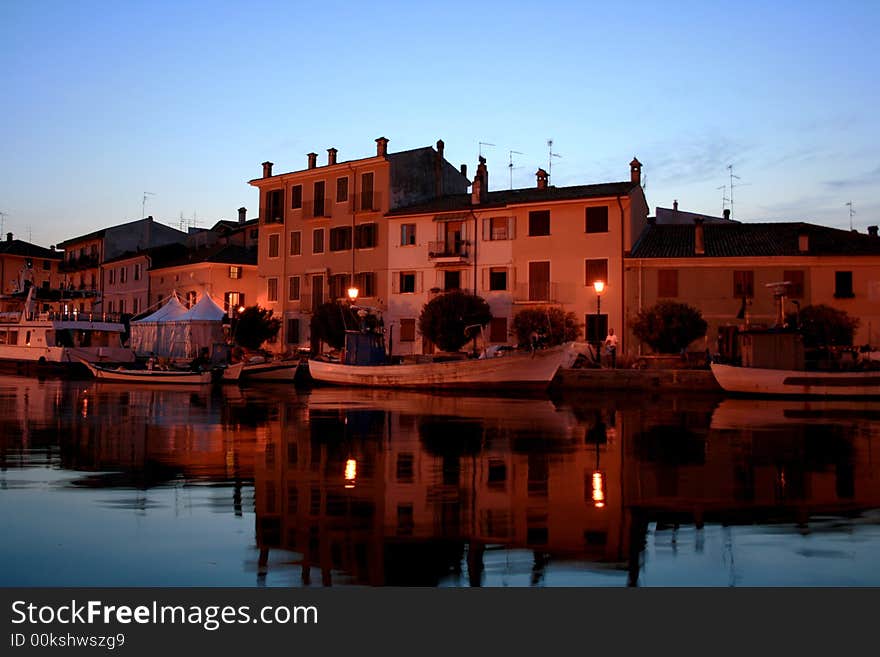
182	222
144	204
509	166
851	213
3	216
483	143
732	176
550	159
724	198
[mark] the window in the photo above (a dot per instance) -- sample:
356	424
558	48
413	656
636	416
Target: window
597	219
743	283
407	330
295	243
273	245
232	301
407	234
539	281
111	276
293	288
272	289
296	197
405	469
123	274
407	282
796	278
341	190
318	241
47	265
498	228
254	233
498	329
365	282
498	278
339	286
366	236
319	199
340	238
596	270
451	280
667	283
190	299
234	271
110	307
539	222
275	206
843	284
137	271
292	337
367	191
136	305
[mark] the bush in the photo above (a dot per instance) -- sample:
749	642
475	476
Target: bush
669	327
254	326
824	326
445	318
554	324
331	320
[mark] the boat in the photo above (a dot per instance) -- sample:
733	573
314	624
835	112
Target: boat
260	369
152	376
364	365
58	341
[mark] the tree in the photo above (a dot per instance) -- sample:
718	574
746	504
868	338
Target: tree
555	324
824	326
449	320
330	321
669	327
254	326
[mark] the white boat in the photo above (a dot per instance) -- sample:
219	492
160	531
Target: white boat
42	341
761	381
153	376
525	369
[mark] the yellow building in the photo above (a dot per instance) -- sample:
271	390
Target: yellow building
729	271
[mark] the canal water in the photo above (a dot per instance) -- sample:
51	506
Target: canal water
107	485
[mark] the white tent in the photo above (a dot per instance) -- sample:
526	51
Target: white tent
175	332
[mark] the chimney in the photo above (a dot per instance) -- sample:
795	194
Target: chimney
872	231
480	194
438	170
381	147
635	171
726	214
313	160
331	156
675	205
8	237
476	191
267	169
542	178
803	241
699	239
242	215
463	170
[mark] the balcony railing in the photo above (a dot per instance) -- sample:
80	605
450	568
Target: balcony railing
448	249
317	208
371	202
77	263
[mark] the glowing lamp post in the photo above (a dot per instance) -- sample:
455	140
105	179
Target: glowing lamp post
353	294
599	288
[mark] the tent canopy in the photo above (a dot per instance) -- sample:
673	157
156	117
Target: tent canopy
171	310
204	310
175	332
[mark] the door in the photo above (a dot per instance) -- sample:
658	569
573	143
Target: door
454	237
539	281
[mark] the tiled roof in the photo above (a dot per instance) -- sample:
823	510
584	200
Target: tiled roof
743	240
460	202
28	250
230	254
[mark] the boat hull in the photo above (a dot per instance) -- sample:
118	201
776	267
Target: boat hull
757	381
162	377
513	371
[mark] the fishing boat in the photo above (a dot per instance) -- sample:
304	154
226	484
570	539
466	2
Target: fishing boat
364	361
260	369
58	341
152	376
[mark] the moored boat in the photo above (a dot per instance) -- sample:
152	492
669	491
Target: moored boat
262	370
762	381
153	376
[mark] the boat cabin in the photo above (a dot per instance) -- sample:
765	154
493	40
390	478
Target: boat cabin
772	349
364	348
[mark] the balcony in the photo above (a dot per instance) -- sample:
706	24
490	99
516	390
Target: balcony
78	263
371	202
451	251
321	208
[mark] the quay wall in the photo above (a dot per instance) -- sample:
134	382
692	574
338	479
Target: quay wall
637	380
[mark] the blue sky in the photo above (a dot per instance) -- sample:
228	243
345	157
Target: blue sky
104	101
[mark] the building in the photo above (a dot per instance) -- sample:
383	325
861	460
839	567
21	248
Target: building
536	247
729	271
85	254
23	264
322	229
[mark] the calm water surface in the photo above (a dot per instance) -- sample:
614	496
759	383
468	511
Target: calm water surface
102	485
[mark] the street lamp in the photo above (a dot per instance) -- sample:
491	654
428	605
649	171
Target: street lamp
599	287
353	294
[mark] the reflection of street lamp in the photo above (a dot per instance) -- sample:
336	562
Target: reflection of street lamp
598	485
599	287
350	473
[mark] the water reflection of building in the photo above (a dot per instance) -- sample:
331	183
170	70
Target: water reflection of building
407	489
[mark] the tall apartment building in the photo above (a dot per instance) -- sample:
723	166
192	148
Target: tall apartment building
323	228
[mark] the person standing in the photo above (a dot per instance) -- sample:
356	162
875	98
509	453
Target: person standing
611	341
